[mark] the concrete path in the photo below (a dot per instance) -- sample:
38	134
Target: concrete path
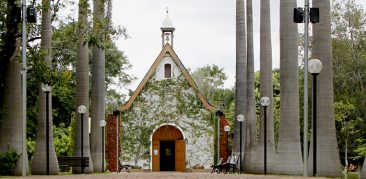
162	175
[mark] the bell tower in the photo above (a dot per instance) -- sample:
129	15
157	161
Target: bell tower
167	30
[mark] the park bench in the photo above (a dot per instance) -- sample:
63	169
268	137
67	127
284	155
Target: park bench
230	165
72	161
121	167
216	167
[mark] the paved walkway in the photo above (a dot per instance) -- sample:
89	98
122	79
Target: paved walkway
162	175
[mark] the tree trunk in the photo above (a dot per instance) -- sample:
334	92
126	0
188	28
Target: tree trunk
266	88
251	130
39	160
11	121
363	170
82	88
98	88
289	158
346	155
241	76
328	162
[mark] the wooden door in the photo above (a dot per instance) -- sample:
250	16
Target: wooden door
156	155
180	155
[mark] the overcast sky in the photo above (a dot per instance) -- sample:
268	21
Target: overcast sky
205	32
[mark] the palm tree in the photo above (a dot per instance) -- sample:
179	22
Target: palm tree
327	147
82	86
98	86
11	123
241	75
266	85
38	162
251	135
289	145
363	170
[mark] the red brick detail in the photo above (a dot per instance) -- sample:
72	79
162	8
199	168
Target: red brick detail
111	142
224	152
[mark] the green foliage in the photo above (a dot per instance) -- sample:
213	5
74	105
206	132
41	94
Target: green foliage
61	76
276	101
31	147
349	52
63	140
8	160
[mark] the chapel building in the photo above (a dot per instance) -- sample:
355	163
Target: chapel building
167	124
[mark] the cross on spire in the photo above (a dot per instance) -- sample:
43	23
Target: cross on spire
167	10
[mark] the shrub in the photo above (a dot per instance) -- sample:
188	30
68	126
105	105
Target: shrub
8	161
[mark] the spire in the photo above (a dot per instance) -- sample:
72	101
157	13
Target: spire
167	30
167	23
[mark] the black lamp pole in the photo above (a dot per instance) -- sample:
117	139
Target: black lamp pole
82	143
116	113
227	144
47	133
240	158
314	123
265	140
103	149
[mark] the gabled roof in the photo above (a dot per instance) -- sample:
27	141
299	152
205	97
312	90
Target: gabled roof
166	49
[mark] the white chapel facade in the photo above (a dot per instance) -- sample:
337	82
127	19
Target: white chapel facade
167	124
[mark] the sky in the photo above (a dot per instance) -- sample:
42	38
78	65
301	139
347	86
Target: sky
204	35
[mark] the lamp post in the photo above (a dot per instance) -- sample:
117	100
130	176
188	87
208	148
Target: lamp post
227	129
240	119
82	111
102	124
24	85
315	66
116	113
47	89
306	15
265	101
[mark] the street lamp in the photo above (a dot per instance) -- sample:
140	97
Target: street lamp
265	101
306	15
102	124
315	66
227	129
116	113
47	89
82	111
240	119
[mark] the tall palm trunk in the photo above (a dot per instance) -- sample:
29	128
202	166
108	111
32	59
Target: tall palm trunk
328	161
39	160
289	160
241	75
363	170
82	87
11	123
98	87
251	130
266	87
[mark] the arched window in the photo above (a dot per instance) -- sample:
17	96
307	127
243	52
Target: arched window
167	71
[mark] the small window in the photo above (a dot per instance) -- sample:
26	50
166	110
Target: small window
168	71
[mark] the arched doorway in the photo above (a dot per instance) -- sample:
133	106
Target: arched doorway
168	149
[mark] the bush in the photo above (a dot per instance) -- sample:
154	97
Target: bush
8	161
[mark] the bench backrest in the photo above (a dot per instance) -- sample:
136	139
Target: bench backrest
73	161
228	159
234	159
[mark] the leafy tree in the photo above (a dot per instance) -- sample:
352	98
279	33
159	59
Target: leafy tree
349	51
